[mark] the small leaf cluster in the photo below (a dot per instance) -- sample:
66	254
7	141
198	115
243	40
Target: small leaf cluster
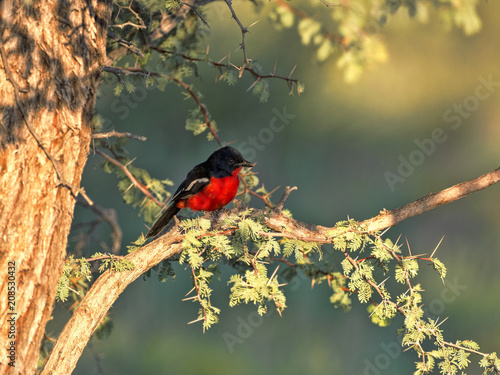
174	57
77	274
241	242
113	263
132	194
418	331
351	31
75	277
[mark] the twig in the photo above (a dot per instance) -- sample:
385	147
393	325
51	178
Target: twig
128	23
62	181
109	256
202	107
275	259
464	348
281	203
243	29
108	215
114	133
126	44
328	4
196	11
390	218
263	197
132	178
197	288
129	7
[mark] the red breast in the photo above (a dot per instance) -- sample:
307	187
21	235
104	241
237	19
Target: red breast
218	193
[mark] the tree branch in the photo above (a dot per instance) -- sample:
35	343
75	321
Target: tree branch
243	29
388	219
141	24
194	8
132	178
290	81
100	298
114	133
110	284
281	203
126	44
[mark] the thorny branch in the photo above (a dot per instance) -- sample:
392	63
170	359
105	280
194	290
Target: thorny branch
387	219
141	24
114	133
220	64
281	203
264	197
208	122
194	8
132	178
393	217
244	31
109	285
127	45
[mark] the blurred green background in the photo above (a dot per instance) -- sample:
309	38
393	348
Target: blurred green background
336	150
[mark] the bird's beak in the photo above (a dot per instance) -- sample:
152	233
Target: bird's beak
246	164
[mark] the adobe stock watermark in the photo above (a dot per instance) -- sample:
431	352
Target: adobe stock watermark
245	328
124	103
425	148
392	350
255	143
455	116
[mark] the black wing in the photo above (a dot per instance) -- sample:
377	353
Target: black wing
162	221
195	181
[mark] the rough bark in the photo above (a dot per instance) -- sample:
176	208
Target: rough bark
51	54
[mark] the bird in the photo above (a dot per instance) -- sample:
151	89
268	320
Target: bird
209	186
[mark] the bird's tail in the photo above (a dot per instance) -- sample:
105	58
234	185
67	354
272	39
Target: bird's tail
163	220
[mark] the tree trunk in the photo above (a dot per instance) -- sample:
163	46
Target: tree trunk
51	58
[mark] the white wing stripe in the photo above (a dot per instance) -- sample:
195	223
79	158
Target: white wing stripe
199	180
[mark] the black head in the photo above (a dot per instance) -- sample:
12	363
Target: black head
226	159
